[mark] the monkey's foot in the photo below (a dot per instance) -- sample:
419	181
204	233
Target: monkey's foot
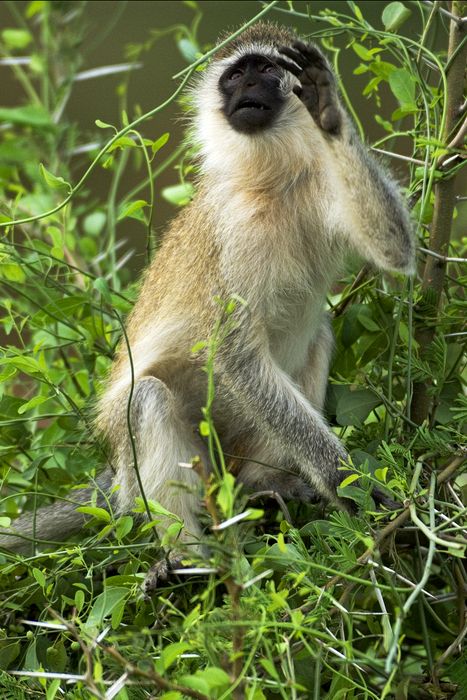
288	485
160	572
381	499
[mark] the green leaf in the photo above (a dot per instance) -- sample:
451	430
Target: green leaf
98	513
367	322
8	654
12	271
103	125
160	142
32	403
170	536
117	614
124	526
353	407
52	689
195	683
362	52
28	365
198	346
204	428
381	474
16	38
216	678
39	576
394	15
100	285
30	115
94	223
349	480
402	84
79	600
122	143
5	521
180	195
189	50
269	668
57	183
156	509
170	654
130	208
34	8
225	494
254	514
104	604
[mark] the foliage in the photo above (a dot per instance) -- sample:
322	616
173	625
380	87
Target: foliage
292	604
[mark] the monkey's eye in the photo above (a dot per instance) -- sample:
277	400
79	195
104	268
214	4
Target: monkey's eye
235	75
268	68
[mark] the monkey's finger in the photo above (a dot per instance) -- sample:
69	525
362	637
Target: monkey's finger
297	57
291	67
329	116
310	52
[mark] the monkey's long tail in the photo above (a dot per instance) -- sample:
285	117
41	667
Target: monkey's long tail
54	523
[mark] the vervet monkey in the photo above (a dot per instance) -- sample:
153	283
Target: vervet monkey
286	190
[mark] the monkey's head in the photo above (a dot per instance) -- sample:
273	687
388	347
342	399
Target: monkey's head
244	99
251	91
253	87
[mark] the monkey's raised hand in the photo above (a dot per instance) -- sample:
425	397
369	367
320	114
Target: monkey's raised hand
317	89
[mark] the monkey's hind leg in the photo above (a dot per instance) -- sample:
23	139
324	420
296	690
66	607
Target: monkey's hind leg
163	440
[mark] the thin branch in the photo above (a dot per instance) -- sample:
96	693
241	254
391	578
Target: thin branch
444	258
398	156
455	18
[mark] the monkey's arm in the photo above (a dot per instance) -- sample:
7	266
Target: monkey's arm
366	203
268	396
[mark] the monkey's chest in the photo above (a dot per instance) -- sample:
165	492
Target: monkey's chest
292	330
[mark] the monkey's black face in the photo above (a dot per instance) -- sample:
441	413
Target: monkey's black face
251	93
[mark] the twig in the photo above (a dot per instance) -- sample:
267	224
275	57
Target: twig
355	287
455	18
277	497
456	144
456	644
398	156
418	588
444	258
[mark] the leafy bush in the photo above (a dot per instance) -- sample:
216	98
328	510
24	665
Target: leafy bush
292	604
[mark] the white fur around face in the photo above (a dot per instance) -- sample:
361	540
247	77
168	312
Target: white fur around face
224	150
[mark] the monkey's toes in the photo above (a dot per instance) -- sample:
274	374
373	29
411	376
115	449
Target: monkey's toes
159	573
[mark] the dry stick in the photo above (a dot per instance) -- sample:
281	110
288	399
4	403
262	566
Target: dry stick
433	275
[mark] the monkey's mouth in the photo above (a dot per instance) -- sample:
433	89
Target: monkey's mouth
251	104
